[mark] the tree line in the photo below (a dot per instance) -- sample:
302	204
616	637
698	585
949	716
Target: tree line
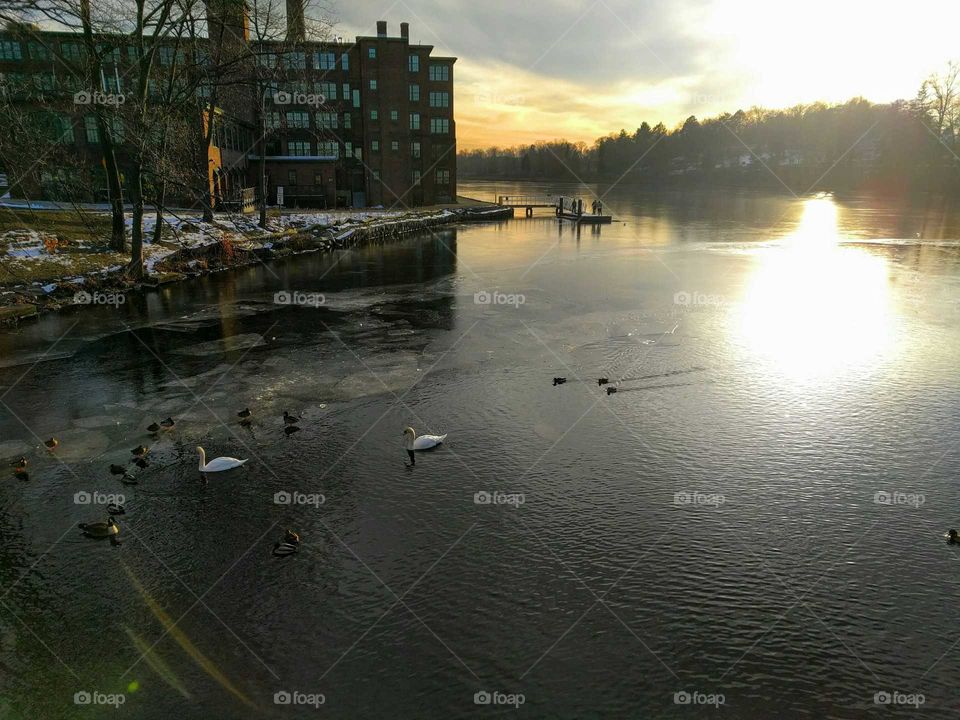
158	78
858	144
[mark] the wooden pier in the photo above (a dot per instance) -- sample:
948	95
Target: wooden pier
554	202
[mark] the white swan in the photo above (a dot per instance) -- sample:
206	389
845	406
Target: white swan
423	442
217	464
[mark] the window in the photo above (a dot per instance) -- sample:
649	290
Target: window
298	148
414	93
376	175
295	60
348	148
267	60
91	129
112	84
394	115
298	119
372	53
272	119
439	99
374	146
346	91
413	63
374	115
327	120
356	98
439	126
440	72
373	84
358	153
325	61
72	51
415	149
10	50
346	121
345	61
45	82
443	177
318	178
415	177
291	177
414	121
116	129
166	55
327	89
38	51
395	146
328	149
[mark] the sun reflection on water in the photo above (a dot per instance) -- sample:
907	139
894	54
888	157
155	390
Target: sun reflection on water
815	307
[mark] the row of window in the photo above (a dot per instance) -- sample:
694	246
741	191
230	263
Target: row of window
331	121
294	60
442	177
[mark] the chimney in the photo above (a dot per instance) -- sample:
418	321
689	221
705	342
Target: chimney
228	21
405	31
296	24
381	28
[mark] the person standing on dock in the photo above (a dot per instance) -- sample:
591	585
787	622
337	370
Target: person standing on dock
599	207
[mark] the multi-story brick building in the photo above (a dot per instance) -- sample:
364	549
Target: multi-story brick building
328	123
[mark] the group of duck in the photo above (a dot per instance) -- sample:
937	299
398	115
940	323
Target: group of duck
20	466
611	389
290	422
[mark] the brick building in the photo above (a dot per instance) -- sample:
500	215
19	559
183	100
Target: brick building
325	124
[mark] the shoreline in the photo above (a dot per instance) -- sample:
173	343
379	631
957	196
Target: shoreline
19	302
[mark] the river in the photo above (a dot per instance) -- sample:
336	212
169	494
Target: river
754	521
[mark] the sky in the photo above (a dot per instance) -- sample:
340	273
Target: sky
529	70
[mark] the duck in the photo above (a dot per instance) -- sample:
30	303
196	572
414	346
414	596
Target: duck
20	464
952	536
291	429
140	463
51	443
284	548
559	381
116	509
289	536
117	469
129	479
290	419
611	390
424	442
168	424
153	427
602	381
245	413
100	529
140	450
217	464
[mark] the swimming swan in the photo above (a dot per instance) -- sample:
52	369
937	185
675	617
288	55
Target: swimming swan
424	442
217	464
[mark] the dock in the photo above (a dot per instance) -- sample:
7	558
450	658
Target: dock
555	202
